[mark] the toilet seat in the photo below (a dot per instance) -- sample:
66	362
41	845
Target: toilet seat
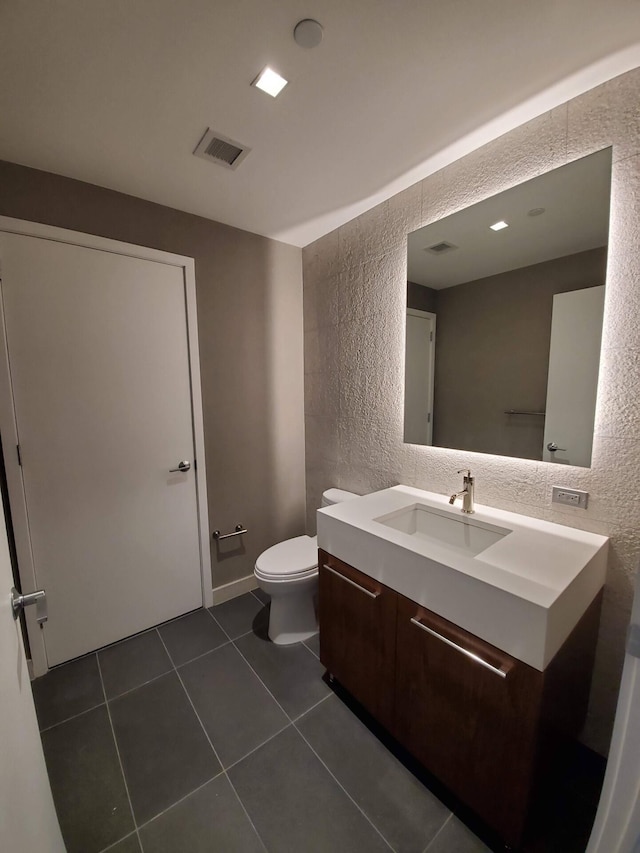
293	558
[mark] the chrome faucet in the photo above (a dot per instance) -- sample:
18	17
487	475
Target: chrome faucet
467	493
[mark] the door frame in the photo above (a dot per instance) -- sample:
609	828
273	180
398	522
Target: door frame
428	315
8	424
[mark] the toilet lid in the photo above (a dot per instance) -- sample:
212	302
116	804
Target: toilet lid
291	557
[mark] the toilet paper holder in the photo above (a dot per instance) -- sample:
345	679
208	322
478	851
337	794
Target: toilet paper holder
240	529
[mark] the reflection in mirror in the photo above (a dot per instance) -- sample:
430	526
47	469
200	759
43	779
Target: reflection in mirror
504	319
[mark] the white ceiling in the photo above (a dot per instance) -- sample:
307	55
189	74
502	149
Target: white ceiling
119	92
575	199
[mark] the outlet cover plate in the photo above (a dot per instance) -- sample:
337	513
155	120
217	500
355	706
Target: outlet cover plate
570	497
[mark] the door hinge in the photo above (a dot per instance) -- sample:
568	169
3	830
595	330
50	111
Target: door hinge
429	418
19	455
431	336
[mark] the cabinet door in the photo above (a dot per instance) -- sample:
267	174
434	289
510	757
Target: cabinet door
357	618
469	713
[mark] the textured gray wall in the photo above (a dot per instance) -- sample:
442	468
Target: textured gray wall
249	297
492	354
354	312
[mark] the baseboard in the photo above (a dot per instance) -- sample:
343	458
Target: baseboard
234	589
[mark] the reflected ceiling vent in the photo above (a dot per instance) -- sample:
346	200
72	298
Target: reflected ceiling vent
440	248
221	150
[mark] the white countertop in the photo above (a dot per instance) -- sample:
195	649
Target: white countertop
524	593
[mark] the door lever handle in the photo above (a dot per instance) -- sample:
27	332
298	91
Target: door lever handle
552	447
39	598
183	467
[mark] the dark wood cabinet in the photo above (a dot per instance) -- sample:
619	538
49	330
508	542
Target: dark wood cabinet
469	713
481	721
358	634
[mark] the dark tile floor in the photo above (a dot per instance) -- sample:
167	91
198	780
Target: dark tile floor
201	735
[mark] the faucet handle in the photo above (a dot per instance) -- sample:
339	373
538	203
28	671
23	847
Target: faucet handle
466	471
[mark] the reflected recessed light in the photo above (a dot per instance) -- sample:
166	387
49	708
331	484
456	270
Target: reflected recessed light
270	82
536	211
498	226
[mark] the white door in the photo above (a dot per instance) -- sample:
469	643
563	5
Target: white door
574	360
617	825
27	814
418	378
99	364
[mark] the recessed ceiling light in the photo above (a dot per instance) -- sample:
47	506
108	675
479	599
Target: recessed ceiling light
536	211
498	226
270	82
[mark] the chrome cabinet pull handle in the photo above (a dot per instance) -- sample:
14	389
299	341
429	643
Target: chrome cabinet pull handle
353	583
458	648
183	467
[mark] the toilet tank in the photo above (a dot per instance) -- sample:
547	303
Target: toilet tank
336	496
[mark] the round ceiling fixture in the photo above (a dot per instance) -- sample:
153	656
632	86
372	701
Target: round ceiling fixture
308	33
536	211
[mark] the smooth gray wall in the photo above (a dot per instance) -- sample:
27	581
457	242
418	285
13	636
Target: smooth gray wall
492	354
249	297
355	285
420	297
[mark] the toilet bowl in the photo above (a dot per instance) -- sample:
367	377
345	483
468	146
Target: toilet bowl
288	572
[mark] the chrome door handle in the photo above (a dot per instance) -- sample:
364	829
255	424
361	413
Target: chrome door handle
183	467
39	598
552	447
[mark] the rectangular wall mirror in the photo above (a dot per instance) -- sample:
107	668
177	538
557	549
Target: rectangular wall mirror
504	319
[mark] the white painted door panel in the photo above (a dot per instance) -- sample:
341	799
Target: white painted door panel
574	361
98	353
419	373
27	814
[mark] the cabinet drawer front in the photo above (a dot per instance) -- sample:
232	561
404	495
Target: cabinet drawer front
474	649
357	618
468	712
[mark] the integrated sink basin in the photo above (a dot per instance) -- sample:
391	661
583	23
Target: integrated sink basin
463	534
520	583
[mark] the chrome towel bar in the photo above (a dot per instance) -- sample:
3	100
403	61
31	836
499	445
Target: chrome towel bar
517	412
240	529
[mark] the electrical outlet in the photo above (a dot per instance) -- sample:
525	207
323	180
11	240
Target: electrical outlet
569	497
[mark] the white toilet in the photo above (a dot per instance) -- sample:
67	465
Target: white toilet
288	572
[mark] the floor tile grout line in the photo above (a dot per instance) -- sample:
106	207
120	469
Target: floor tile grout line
315	705
225	632
344	790
288	716
72	717
115	743
186	692
256	748
138	686
115	843
206	734
180	800
244	809
317	657
438	833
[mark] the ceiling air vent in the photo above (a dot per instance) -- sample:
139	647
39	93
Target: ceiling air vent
440	248
220	149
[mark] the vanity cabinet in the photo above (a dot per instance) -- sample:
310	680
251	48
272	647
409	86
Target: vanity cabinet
478	719
468	712
358	635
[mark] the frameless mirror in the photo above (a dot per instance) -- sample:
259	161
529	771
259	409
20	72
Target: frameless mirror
504	319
